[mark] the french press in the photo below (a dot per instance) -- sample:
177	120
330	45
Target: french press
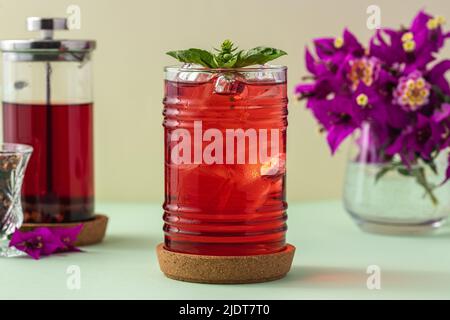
47	103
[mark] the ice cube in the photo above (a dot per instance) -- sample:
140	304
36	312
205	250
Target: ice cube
196	75
229	84
268	73
274	166
251	191
207	187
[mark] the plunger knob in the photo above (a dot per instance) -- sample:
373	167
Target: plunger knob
46	25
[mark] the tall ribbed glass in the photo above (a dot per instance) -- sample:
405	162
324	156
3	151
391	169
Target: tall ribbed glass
225	160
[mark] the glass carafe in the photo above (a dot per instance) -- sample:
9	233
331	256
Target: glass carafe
47	103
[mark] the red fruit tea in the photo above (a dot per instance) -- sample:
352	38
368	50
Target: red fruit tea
58	186
227	206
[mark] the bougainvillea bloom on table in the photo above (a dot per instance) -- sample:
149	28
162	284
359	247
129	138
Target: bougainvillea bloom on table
46	241
396	84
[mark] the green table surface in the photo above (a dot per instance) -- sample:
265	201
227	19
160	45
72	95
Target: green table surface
331	262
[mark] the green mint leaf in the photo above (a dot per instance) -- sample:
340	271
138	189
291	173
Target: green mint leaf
196	56
258	55
227	56
227	46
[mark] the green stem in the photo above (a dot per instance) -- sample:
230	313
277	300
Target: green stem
418	173
421	178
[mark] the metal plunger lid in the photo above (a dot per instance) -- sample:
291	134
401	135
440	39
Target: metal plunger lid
47	44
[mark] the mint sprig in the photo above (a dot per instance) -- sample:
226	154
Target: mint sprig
227	56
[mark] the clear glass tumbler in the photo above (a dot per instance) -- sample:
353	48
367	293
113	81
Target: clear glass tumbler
13	163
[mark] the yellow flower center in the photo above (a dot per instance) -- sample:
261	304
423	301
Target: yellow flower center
361	70
420	83
415	93
409	46
407	36
440	20
362	100
436	22
338	42
432	24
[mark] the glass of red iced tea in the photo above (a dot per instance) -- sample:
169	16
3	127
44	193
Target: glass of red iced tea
225	160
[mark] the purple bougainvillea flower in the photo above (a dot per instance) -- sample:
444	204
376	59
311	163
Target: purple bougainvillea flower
316	67
325	48
442	114
428	38
336	49
395	87
68	237
333	55
46	241
36	243
311	64
352	45
421	138
386	80
427	32
337	134
421	45
306	89
413	48
336	117
362	70
320	89
419	22
386	45
369	105
412	92
436	76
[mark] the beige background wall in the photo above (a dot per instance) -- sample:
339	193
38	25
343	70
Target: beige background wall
132	37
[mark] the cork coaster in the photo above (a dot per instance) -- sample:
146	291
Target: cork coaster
93	230
225	269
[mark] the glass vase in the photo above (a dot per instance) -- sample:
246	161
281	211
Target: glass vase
385	196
